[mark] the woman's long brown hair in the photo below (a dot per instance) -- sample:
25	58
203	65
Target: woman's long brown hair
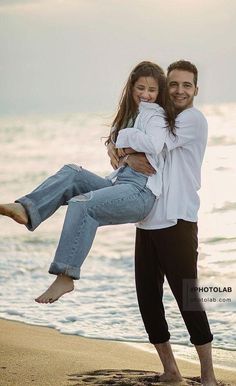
127	108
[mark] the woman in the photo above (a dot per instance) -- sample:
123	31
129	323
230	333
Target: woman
124	197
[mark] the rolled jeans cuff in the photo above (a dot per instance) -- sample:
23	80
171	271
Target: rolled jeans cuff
65	269
159	339
201	341
32	212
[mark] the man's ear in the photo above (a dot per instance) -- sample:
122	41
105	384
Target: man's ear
196	91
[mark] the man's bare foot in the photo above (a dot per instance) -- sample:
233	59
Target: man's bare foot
209	383
171	371
16	211
170	377
58	288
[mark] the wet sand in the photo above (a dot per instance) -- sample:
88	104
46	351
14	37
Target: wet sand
40	356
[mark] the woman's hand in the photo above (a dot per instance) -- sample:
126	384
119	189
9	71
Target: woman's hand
112	153
121	152
140	164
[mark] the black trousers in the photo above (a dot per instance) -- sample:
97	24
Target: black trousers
170	252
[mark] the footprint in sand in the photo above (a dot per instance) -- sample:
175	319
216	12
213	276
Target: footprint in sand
127	378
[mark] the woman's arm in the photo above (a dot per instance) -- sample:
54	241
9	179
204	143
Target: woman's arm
191	127
150	139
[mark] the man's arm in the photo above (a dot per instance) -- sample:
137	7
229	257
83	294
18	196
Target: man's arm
112	153
122	152
137	161
140	163
116	154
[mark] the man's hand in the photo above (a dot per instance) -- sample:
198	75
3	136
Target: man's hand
112	153
121	152
140	164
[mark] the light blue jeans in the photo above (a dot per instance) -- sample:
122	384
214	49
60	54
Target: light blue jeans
92	201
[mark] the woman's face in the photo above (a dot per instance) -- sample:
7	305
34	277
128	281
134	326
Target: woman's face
145	89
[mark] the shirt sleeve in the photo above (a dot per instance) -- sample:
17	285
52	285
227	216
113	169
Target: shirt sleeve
190	127
151	141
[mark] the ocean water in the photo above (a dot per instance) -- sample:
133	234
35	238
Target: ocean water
104	303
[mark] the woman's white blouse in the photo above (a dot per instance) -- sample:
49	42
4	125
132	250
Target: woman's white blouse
146	144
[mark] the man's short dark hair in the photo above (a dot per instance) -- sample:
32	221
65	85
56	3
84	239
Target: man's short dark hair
184	65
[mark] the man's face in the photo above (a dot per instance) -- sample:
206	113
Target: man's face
181	89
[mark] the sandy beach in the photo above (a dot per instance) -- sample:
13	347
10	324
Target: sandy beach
40	356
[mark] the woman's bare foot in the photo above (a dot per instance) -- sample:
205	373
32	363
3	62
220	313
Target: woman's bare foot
58	288
16	211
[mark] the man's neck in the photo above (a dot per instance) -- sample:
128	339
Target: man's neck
178	111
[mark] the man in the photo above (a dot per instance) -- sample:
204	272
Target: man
166	241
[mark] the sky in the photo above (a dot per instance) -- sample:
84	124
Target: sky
75	55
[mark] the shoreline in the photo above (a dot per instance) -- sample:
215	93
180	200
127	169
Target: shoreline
43	356
223	358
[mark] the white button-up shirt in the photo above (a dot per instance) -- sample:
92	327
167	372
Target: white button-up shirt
182	169
147	111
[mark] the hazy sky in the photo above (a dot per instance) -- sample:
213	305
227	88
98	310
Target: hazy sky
75	55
